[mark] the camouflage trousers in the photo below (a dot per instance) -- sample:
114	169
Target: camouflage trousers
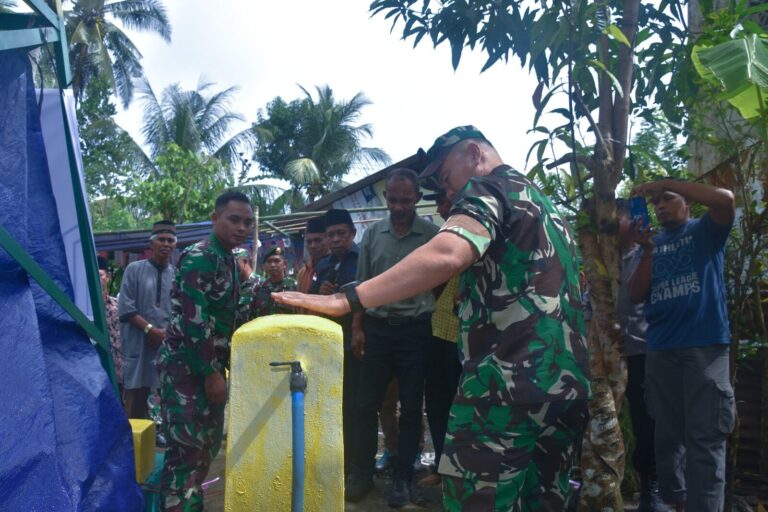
511	459
194	429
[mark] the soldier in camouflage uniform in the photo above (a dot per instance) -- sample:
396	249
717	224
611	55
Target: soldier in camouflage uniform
276	281
522	400
206	308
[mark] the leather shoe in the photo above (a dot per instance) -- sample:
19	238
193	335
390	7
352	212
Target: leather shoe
357	488
431	480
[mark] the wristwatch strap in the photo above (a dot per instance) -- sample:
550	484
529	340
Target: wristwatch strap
350	290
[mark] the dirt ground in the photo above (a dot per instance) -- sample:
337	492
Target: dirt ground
430	499
375	502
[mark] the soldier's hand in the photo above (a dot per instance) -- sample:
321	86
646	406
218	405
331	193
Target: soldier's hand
358	342
216	388
155	337
328	288
331	305
245	269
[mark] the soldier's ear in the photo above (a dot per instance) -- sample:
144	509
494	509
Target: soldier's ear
214	217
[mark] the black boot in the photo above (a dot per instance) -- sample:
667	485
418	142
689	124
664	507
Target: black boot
400	494
357	488
650	498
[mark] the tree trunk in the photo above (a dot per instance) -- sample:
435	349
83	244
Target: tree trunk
603	454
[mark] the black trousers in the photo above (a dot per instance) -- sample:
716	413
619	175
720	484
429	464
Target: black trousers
391	350
643	458
442	371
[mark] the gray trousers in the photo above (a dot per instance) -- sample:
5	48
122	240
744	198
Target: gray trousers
689	394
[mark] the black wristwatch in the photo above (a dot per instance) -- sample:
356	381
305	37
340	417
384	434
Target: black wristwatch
350	291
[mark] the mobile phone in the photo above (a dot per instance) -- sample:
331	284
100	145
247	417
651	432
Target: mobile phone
638	208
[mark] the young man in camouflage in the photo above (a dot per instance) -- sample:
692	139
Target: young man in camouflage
521	404
276	281
192	358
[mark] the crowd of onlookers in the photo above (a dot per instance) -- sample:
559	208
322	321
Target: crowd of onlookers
479	322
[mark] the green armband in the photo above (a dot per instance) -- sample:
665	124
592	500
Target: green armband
479	242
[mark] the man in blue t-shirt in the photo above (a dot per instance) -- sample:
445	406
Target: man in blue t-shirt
680	278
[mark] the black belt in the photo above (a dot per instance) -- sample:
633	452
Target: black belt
401	320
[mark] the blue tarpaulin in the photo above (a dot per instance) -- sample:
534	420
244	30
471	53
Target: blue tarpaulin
65	443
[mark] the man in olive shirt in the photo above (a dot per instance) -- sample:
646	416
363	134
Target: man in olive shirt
391	339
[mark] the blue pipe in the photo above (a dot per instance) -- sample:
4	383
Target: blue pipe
297	420
298	384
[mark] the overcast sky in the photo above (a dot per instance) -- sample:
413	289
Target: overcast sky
267	48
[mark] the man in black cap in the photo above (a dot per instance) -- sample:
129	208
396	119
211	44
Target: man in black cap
521	404
334	271
144	305
276	281
316	244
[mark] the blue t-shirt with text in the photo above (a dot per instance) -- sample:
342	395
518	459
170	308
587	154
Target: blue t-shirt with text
687	304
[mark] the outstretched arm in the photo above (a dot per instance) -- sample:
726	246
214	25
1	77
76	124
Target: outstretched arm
446	255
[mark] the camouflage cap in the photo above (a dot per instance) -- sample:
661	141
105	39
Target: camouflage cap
443	145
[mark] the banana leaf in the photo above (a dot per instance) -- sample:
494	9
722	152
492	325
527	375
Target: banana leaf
740	68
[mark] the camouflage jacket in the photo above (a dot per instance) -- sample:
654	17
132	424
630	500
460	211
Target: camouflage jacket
523	337
206	307
261	297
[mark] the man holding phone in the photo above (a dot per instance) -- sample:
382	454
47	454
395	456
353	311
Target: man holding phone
631	214
680	278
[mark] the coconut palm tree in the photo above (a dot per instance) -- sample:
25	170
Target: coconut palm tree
196	120
98	46
324	142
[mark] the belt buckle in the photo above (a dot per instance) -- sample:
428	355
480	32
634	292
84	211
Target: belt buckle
398	321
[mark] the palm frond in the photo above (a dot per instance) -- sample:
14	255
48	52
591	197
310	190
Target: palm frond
154	128
142	16
242	142
302	171
125	64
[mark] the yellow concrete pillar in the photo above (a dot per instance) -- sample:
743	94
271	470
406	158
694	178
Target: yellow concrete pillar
258	466
143	447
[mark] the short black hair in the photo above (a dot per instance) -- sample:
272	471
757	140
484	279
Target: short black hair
402	173
231	195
